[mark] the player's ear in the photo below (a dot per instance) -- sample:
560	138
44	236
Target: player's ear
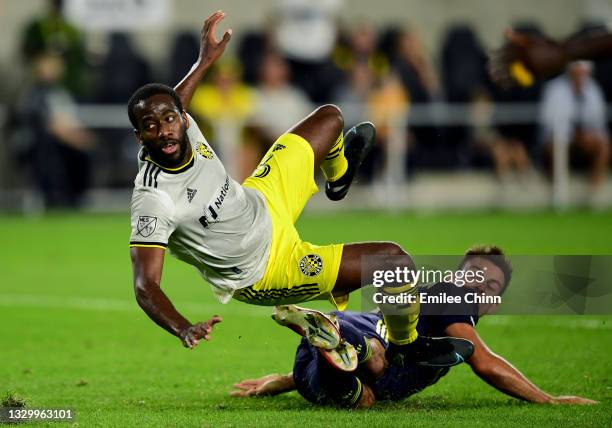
137	135
185	119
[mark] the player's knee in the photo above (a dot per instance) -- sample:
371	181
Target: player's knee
394	249
397	257
332	115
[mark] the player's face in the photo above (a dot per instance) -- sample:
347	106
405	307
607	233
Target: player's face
162	130
493	284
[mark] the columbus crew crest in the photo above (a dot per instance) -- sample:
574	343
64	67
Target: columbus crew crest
311	265
203	149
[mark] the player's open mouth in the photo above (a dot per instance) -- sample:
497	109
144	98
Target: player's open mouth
170	148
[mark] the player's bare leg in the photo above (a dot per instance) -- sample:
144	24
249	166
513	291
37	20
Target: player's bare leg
597	148
339	156
321	129
401	320
388	256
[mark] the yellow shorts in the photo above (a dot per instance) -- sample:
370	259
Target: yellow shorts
297	271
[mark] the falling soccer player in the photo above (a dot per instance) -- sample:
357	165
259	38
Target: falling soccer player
242	238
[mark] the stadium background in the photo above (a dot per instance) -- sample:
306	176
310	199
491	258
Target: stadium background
72	334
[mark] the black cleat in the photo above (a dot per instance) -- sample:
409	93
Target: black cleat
358	142
431	351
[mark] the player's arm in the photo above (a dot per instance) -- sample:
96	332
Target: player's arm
210	50
272	384
542	56
500	374
147	265
589	47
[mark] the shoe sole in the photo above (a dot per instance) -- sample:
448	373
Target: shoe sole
315	326
344	357
358	130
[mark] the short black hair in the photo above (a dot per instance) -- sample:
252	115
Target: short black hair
498	258
148	91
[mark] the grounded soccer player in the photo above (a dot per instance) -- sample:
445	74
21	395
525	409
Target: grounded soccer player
375	378
241	238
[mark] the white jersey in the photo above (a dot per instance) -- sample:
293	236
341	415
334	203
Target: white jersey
203	217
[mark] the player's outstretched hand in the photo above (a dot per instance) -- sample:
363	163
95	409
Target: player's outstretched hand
211	48
191	336
570	399
540	56
268	385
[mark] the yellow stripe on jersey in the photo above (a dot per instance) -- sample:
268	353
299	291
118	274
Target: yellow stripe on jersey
178	168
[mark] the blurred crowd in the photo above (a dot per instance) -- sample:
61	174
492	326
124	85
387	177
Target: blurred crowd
276	76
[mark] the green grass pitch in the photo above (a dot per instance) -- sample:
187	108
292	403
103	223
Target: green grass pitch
73	336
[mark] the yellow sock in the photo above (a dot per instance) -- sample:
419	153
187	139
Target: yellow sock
402	323
340	302
335	164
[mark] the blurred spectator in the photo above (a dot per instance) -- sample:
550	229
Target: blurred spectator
464	77
508	154
122	71
184	52
516	142
602	70
414	68
223	96
251	49
53	32
222	105
354	98
370	93
464	71
353	95
388	106
573	110
278	106
361	48
56	146
387	42
421	84
306	34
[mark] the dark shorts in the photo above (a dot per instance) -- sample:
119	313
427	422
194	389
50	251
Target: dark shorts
320	383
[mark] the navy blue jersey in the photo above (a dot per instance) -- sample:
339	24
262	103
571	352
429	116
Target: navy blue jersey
433	318
311	372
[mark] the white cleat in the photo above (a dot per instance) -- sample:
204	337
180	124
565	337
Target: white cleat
344	357
315	326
